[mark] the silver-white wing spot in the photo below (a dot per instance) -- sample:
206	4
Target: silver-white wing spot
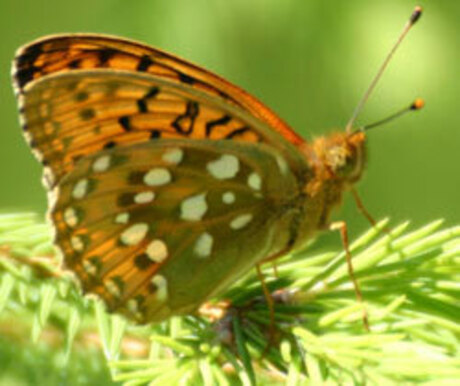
203	245
157	251
173	156
112	288
122	218
70	217
89	267
254	181
101	164
228	198
144	197
134	234
282	165
241	221
132	305
48	176
80	189
157	177
161	285
53	196
77	243
225	167
194	208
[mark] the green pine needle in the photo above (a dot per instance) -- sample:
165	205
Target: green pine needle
410	288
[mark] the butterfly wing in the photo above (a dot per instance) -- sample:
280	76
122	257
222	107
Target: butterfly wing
69	52
157	228
166	182
69	115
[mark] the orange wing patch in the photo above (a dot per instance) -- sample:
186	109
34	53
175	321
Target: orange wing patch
74	114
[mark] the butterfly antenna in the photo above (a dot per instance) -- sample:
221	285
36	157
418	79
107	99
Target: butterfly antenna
412	20
416	105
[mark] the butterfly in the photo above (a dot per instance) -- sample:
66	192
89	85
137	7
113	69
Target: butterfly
166	182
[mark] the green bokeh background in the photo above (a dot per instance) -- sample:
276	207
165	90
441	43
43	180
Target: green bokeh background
310	60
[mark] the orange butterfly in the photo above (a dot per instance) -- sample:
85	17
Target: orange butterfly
166	182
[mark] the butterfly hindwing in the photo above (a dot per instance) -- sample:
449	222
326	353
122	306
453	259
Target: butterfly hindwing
156	228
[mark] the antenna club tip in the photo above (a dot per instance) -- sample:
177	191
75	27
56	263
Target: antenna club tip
416	14
418	104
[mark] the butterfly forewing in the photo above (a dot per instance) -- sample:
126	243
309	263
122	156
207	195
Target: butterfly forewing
64	53
70	115
157	228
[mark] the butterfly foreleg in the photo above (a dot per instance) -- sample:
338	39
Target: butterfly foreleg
272	259
364	212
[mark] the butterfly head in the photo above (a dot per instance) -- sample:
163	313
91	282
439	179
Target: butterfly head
341	156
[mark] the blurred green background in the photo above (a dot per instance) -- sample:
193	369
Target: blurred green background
310	60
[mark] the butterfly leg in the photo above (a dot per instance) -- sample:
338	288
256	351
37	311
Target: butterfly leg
341	226
271	309
268	296
276	256
273	259
275	269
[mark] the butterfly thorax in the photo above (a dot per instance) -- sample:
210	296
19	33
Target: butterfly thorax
337	161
